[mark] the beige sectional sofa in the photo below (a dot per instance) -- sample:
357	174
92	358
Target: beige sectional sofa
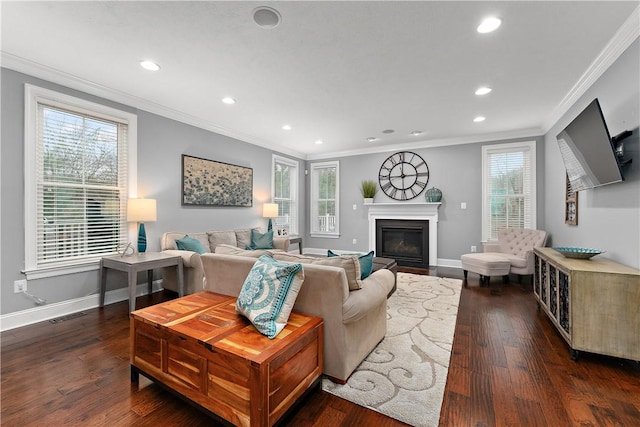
193	272
355	320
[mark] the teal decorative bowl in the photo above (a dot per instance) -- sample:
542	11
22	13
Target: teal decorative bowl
579	253
433	195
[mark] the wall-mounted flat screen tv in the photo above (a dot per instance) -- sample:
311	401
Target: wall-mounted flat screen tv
587	150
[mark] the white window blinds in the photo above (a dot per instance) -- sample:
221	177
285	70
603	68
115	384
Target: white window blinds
508	188
325	184
285	193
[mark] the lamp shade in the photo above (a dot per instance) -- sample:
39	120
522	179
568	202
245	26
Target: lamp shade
141	210
270	210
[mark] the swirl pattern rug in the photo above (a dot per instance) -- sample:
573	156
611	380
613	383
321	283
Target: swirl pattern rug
405	375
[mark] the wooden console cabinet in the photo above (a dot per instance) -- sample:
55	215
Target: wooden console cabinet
594	304
199	347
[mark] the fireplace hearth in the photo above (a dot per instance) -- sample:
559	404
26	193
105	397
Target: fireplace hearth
406	241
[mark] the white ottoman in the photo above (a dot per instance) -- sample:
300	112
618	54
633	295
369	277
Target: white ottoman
486	264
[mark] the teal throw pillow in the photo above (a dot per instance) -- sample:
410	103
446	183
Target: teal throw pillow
261	240
366	263
268	294
190	244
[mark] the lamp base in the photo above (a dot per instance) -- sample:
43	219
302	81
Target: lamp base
270	225
142	239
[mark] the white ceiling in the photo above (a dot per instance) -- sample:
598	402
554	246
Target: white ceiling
336	71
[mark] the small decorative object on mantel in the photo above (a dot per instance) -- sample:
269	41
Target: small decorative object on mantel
579	253
433	195
368	189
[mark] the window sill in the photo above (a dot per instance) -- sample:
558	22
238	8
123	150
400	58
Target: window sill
61	270
326	235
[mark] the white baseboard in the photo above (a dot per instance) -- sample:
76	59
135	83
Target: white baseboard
63	308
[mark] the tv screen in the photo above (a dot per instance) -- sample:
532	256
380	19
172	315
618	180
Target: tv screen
587	151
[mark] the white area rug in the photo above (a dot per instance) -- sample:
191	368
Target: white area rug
405	375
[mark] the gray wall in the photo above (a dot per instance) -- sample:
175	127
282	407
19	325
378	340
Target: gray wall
161	142
456	170
608	216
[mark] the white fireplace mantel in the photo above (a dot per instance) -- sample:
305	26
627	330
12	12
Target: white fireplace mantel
410	211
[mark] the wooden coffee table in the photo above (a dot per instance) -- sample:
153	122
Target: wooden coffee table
200	348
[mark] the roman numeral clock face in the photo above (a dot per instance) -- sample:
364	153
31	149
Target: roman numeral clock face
404	175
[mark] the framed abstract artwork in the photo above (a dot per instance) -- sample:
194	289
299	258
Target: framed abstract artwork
210	183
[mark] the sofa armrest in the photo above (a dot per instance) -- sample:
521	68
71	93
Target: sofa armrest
281	243
374	291
189	258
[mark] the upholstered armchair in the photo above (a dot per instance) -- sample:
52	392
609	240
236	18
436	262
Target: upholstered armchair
513	253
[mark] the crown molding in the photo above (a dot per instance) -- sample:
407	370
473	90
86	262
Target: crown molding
441	142
621	40
71	81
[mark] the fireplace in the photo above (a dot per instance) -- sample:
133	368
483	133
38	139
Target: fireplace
406	241
407	211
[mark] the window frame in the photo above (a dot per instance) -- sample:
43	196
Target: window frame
34	96
314	200
488	150
294	230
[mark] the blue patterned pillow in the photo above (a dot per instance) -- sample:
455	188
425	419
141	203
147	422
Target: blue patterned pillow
268	294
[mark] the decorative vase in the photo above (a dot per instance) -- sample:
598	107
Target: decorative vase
368	200
433	195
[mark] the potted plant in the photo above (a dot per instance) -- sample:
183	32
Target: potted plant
368	190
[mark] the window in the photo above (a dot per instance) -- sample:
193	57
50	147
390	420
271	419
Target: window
508	188
325	181
77	182
284	191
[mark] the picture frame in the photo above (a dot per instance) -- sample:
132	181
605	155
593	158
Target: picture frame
212	183
570	204
281	231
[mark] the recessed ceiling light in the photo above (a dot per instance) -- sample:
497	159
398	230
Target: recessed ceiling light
479	119
371	138
286	127
483	90
149	65
266	17
416	132
489	24
228	100
318	142
388	131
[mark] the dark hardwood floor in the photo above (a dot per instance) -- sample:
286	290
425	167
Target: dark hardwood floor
508	367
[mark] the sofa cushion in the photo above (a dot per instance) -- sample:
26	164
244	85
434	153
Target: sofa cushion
366	262
190	244
243	237
350	265
233	250
221	238
268	294
261	240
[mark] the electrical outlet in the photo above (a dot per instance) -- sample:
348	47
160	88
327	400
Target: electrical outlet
355	207
463	205
474	249
355	241
20	286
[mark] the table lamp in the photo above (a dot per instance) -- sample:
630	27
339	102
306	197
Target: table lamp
141	211
270	210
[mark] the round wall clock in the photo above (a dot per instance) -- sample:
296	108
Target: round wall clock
404	175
